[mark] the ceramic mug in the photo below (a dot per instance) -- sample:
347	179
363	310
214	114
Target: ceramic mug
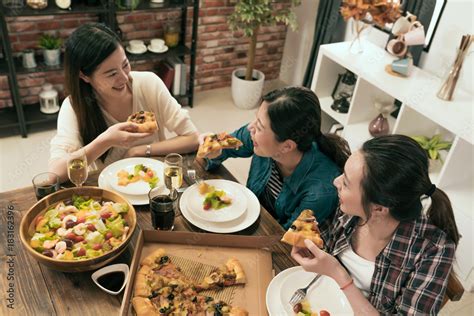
397	47
401	26
136	45
157	44
416	34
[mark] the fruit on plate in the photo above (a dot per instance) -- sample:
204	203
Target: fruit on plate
80	229
140	172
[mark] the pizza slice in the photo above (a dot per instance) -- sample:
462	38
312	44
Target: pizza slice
216	142
145	120
230	274
228	141
304	227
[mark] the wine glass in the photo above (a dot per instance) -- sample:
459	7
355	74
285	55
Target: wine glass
173	171
77	167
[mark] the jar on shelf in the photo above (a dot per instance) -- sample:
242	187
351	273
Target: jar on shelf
48	96
37	4
172	34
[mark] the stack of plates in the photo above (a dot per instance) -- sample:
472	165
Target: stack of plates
325	294
136	193
242	213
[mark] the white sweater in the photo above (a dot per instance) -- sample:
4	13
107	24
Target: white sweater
149	94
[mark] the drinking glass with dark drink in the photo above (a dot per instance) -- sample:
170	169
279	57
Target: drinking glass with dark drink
163	209
77	167
45	183
173	171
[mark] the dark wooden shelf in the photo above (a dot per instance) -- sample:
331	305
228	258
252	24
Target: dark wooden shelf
52	9
3	67
146	5
34	116
8	118
40	66
180	50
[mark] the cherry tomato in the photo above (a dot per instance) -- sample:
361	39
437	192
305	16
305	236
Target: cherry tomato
79	238
150	173
105	215
207	205
108	235
81	252
91	227
81	220
97	247
324	313
71	236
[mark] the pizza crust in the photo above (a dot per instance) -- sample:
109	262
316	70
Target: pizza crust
152	258
234	265
144	307
304	227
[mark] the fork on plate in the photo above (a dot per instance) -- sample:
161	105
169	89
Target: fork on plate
300	294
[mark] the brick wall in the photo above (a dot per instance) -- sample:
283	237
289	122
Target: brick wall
219	51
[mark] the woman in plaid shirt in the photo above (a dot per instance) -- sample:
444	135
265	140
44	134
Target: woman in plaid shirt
387	255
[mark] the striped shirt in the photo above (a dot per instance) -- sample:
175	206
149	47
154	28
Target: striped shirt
411	273
272	190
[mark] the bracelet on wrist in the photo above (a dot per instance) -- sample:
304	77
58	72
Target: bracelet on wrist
148	151
347	285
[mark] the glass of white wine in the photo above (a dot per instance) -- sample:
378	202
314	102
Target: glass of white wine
173	171
77	167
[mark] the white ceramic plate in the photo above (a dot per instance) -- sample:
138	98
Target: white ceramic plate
137	188
158	51
245	220
136	52
234	210
133	199
323	295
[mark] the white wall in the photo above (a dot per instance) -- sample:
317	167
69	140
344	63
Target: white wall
455	21
298	44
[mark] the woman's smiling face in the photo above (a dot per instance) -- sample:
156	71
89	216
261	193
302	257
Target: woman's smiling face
264	139
110	78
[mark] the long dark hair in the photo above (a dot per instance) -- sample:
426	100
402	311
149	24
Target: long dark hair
396	176
295	114
87	47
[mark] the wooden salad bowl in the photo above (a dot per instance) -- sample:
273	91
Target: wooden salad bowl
27	229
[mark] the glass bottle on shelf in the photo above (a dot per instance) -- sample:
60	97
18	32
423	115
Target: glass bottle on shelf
172	34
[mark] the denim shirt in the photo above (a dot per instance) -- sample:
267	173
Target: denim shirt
308	187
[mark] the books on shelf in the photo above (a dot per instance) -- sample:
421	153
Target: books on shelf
166	72
179	82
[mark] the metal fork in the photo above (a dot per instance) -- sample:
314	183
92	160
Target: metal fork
300	294
193	176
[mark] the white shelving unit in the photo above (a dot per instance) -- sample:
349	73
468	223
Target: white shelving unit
421	113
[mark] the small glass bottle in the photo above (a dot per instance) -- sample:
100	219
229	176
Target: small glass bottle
172	34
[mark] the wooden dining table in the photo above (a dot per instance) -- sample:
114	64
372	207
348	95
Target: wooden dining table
29	288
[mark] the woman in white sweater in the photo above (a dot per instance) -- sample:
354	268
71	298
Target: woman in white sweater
103	92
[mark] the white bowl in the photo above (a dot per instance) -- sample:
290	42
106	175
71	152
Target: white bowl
119	267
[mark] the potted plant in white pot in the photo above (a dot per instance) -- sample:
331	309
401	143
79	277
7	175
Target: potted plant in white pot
249	16
51	46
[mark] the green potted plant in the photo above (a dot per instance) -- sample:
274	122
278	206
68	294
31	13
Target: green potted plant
51	46
433	146
249	16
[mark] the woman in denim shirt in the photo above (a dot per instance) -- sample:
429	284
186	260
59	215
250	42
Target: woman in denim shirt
293	163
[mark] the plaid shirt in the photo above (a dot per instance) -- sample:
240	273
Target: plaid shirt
411	273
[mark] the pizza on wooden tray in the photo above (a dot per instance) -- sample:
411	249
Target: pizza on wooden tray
161	288
145	120
304	227
216	142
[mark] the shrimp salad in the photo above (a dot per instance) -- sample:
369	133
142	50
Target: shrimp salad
80	229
